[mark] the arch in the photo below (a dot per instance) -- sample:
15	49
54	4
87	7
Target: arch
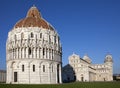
18	64
52	66
12	64
44	66
31	61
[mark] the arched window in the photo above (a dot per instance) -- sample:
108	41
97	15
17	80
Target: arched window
43	51
22	35
32	35
23	68
43	68
40	35
33	68
29	51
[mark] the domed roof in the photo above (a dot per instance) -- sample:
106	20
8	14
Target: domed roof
86	58
108	58
33	19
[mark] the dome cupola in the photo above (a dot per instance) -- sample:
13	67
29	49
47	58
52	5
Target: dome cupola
33	19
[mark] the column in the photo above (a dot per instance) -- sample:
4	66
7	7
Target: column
34	52
47	53
23	53
19	52
50	54
26	52
13	54
56	73
16	53
40	72
37	53
49	73
60	74
41	53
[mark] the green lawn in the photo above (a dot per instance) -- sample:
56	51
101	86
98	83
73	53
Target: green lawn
66	85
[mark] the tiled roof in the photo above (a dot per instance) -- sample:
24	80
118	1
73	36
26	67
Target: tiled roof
33	19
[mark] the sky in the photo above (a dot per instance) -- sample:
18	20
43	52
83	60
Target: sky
89	27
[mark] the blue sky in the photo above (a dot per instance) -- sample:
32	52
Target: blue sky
85	26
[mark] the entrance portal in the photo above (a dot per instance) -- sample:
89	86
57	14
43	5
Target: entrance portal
15	76
82	79
58	74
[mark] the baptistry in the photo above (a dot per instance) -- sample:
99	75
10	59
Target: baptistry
33	51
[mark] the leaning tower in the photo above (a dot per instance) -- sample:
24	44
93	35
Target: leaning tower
33	51
109	66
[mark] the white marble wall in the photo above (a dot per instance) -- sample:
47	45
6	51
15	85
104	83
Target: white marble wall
42	47
85	71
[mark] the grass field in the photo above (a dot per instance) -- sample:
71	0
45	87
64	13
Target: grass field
66	85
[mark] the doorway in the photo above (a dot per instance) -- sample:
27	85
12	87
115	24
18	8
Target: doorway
15	76
82	79
58	74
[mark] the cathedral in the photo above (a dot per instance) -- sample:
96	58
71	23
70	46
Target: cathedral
82	69
33	51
